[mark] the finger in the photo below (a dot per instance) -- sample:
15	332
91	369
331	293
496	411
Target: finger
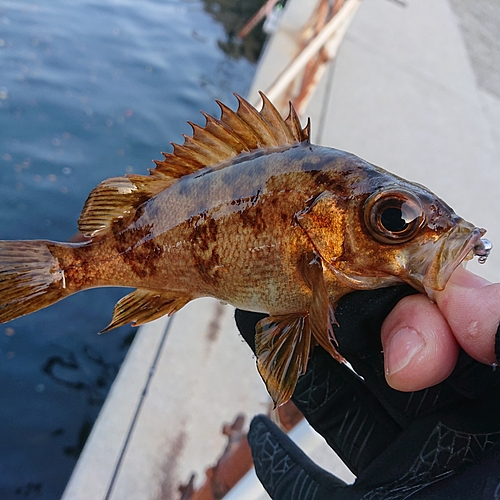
283	469
420	349
471	305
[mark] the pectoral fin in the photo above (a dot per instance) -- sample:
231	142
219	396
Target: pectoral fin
283	344
321	313
143	306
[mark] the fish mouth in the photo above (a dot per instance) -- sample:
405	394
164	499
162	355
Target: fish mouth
463	242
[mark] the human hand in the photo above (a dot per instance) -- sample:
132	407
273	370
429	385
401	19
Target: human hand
438	442
421	339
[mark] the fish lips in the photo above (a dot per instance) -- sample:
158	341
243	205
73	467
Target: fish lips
456	246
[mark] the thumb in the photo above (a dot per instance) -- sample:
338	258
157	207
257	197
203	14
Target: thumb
283	469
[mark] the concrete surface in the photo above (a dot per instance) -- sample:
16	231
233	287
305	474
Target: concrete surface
280	49
479	22
408	93
163	418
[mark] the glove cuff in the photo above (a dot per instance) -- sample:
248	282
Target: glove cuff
283	468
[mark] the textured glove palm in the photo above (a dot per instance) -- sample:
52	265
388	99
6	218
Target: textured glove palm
438	443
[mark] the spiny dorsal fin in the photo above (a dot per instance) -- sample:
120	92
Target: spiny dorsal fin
245	129
220	140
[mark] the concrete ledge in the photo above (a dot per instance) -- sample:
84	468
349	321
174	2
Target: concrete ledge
162	420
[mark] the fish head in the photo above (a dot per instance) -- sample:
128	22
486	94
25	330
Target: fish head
387	231
415	236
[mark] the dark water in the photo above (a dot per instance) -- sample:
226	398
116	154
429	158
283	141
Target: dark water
88	90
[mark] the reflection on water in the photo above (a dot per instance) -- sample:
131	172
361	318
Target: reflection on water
233	16
88	90
88	373
83	433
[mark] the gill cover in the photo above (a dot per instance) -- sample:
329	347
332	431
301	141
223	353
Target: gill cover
324	222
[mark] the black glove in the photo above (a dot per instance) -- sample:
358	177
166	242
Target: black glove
437	443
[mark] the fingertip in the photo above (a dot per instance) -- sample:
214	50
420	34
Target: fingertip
463	277
419	347
471	305
403	346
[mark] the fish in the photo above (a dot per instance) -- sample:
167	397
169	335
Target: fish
248	211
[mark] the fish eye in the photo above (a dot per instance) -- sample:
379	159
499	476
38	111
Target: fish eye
393	216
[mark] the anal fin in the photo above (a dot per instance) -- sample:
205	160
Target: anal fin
282	345
143	306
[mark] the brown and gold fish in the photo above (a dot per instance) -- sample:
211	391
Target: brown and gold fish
248	211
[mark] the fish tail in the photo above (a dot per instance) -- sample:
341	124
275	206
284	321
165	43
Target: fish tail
31	277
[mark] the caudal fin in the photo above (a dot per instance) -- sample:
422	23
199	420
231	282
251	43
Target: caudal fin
30	278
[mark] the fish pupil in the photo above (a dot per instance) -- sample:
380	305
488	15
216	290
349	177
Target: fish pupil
392	219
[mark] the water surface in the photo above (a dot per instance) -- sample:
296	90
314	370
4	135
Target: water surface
88	90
